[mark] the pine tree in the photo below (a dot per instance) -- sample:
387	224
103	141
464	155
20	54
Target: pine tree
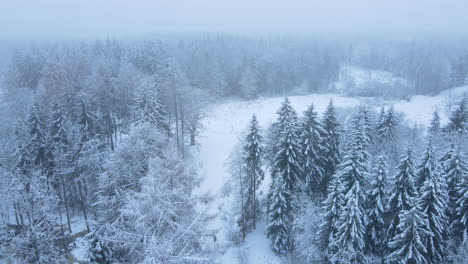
149	108
351	169
428	164
280	216
366	123
434	127
287	159
57	128
459	226
87	122
376	207
361	133
348	244
387	129
36	151
331	212
380	122
253	175
312	150
433	203
456	173
459	117
331	142
38	137
402	194
407	245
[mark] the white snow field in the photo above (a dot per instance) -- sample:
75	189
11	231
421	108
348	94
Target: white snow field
226	123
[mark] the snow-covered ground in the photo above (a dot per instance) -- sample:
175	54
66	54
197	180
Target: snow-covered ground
227	122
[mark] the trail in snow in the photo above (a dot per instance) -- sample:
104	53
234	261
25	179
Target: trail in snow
228	120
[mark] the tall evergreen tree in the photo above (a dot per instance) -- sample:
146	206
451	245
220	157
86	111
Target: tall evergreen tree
387	130
403	193
459	117
433	203
434	127
287	159
407	245
459	226
348	244
366	123
89	127
331	209
331	142
312	150
36	152
149	108
361	133
376	207
253	175
280	216
57	127
352	168
428	164
456	173
381	121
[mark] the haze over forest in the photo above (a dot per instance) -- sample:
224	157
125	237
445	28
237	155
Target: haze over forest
233	132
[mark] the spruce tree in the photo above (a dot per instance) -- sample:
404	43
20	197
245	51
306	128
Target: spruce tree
312	150
459	117
88	125
38	137
434	127
407	245
331	142
352	168
279	215
348	244
433	203
366	123
36	151
376	207
380	122
57	128
387	130
253	175
456	173
459	226
149	108
361	133
331	212
427	165
402	194
288	156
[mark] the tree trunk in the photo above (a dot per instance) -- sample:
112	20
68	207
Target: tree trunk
254	202
193	133
182	128
64	240
176	114
83	207
16	214
65	200
242	204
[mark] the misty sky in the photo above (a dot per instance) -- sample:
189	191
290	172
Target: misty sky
100	18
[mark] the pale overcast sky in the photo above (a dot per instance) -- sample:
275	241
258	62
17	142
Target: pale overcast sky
100	18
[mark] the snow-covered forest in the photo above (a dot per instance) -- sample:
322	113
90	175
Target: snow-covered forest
234	149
